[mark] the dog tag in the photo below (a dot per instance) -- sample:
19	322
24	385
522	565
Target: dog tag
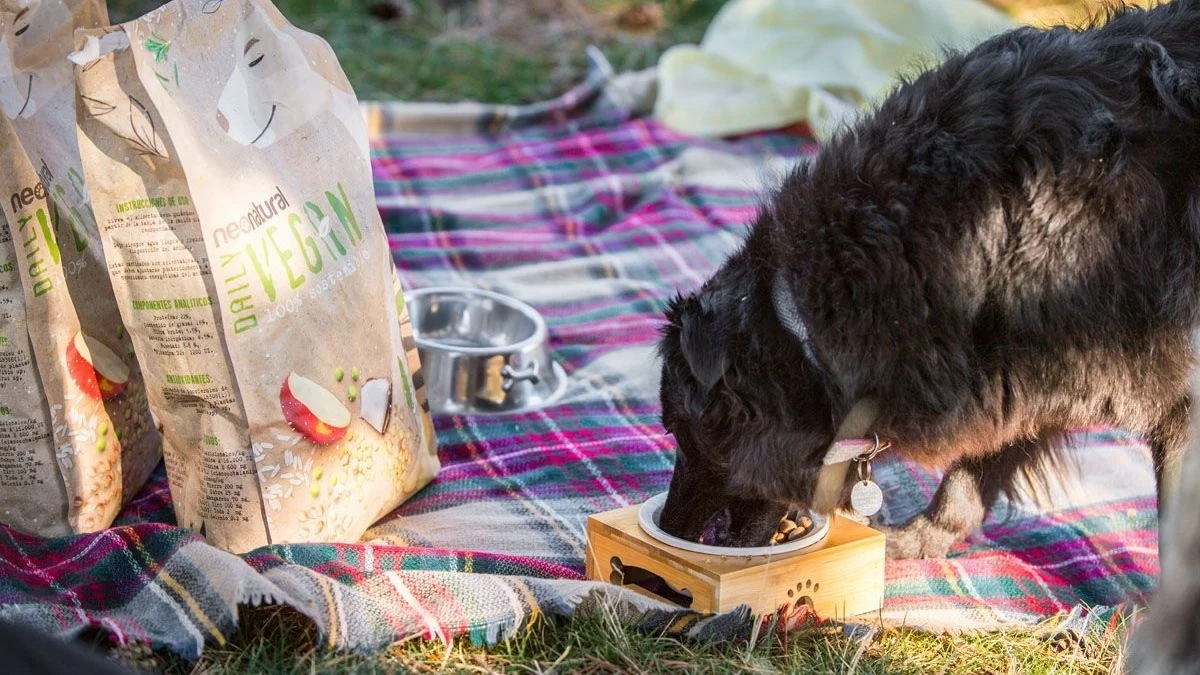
866	498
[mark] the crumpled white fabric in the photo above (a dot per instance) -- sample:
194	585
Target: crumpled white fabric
766	64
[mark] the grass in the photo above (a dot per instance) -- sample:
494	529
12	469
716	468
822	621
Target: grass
516	51
277	641
504	51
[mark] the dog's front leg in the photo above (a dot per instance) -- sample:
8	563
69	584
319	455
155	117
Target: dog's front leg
969	489
957	510
1168	442
1168	642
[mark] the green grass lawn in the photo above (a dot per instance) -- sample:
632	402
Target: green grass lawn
503	51
520	51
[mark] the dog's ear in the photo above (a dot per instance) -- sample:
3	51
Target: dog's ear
705	343
704	336
1175	87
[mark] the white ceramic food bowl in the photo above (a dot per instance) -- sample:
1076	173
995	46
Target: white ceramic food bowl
651	510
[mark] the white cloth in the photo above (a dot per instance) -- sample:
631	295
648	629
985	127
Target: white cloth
765	64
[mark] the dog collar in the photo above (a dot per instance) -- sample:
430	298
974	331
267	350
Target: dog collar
851	443
789	316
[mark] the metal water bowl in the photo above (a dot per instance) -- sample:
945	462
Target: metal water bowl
483	352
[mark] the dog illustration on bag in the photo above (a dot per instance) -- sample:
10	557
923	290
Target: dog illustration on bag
25	83
275	89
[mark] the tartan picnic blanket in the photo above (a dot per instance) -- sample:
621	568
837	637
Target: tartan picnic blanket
595	214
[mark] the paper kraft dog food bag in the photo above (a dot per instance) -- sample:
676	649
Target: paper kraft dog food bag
76	436
33	497
227	162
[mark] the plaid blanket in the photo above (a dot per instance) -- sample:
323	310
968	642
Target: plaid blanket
596	215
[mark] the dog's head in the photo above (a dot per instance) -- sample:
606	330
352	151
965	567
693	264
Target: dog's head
751	414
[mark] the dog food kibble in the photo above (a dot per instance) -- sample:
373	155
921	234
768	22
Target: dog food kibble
792	528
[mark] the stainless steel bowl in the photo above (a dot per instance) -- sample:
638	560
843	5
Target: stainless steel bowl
483	352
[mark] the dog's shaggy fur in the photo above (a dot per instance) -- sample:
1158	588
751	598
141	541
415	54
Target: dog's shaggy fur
1007	249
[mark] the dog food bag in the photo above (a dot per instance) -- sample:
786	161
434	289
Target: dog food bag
228	165
76	436
33	497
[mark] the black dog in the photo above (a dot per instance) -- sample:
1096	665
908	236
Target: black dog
1007	249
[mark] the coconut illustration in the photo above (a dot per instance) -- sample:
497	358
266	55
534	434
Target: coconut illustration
376	406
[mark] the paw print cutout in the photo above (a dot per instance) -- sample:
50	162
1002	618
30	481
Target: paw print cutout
800	605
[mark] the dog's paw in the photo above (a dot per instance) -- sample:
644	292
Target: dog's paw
918	538
1147	658
1165	642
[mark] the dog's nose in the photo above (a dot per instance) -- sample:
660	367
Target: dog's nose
223	122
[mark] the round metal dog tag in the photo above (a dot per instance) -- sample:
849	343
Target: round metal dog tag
866	498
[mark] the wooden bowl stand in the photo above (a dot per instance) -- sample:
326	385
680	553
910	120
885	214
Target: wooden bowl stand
839	577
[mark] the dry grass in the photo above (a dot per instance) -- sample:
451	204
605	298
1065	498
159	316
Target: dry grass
1051	12
279	642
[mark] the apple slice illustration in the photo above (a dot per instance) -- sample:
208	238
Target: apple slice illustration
312	410
97	371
